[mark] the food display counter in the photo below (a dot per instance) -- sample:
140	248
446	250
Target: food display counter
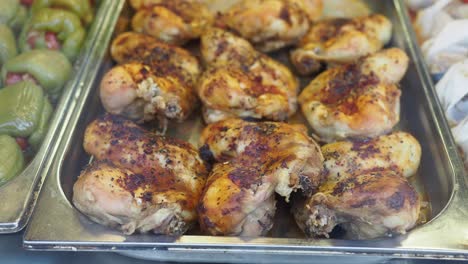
224	132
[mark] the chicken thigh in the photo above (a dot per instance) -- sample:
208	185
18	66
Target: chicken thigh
140	181
253	161
171	21
241	82
156	81
366	192
356	100
341	40
271	24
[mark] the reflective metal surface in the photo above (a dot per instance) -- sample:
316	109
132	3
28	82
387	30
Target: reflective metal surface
57	225
18	197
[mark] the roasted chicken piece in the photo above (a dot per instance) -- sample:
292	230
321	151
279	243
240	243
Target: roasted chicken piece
341	40
253	161
271	24
157	81
366	192
171	21
241	82
140	181
356	100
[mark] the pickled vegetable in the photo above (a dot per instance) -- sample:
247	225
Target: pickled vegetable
82	8
21	107
12	13
7	44
12	159
53	29
50	69
38	135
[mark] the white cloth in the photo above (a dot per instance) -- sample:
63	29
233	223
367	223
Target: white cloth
460	133
419	4
448	47
452	90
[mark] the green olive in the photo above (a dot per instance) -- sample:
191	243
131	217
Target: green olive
21	107
82	8
50	68
7	44
12	13
65	25
12	159
38	135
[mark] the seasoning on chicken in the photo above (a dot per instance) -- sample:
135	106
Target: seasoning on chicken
241	82
140	181
271	24
356	100
253	161
341	40
156	80
172	21
366	192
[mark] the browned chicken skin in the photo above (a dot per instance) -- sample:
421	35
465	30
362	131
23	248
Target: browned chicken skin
140	181
241	82
171	21
271	24
366	192
253	161
155	81
341	41
356	100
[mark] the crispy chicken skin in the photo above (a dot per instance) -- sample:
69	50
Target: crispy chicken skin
253	161
155	81
356	100
341	41
140	181
271	24
241	82
172	21
366	192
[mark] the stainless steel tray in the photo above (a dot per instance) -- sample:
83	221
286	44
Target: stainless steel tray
57	225
19	195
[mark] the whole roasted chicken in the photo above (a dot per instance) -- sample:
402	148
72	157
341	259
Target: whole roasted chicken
361	99
242	82
252	162
271	24
365	192
340	40
139	181
153	81
171	21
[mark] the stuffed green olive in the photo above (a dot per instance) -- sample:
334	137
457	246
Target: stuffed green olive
48	68
7	44
53	29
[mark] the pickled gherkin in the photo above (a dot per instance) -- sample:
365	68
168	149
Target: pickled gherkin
21	107
51	69
38	135
12	159
7	44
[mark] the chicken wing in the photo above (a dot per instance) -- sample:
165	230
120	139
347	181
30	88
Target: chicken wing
356	100
141	181
157	81
172	21
254	160
341	41
365	191
241	82
271	24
